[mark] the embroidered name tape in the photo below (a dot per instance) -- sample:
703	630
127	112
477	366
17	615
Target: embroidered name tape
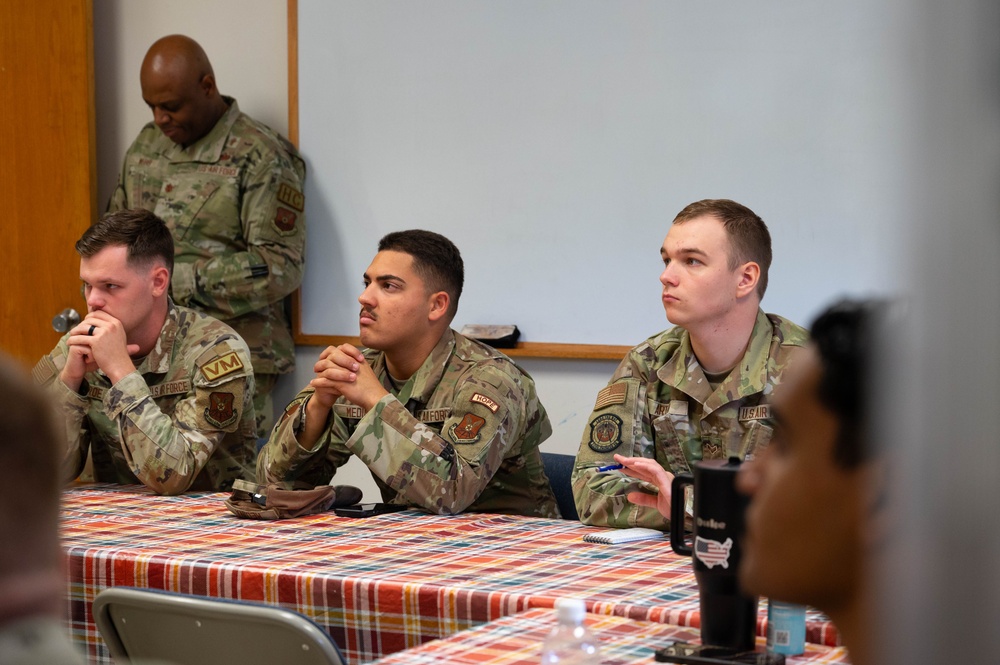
479	398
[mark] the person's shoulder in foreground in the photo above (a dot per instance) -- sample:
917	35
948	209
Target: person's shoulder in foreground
443	422
32	581
161	394
699	390
818	498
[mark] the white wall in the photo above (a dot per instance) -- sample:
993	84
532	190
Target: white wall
247	42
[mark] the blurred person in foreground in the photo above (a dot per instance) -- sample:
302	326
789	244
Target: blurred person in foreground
818	494
32	578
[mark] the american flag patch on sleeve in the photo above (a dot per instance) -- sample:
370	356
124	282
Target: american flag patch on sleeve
613	394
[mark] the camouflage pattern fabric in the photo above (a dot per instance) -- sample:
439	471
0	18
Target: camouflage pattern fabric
466	439
234	203
659	404
182	421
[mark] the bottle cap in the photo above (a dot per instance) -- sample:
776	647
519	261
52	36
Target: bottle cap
570	610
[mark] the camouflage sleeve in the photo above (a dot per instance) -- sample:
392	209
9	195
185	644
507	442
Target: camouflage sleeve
283	461
70	409
444	472
618	424
273	222
167	452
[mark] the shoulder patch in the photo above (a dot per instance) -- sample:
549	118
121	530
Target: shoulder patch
605	433
284	220
479	398
291	197
612	395
220	411
467	431
220	367
43	371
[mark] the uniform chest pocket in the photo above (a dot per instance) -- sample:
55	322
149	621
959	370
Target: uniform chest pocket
672	431
755	439
182	198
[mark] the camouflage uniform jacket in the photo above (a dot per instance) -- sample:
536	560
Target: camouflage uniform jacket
465	440
183	420
659	404
234	204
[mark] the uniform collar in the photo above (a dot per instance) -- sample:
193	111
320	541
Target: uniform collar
208	149
749	377
428	376
158	360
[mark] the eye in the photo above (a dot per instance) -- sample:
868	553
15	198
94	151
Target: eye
693	262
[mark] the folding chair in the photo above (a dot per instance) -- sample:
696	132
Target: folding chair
147	624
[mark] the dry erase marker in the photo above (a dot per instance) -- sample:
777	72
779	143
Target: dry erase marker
610	467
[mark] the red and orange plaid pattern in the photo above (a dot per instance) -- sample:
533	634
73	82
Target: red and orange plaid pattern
378	585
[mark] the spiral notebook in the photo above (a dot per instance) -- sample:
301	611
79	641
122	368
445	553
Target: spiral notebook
618	536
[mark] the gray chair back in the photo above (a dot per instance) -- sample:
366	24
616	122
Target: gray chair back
150	625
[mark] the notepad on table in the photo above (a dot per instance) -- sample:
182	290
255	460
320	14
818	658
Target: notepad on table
618	536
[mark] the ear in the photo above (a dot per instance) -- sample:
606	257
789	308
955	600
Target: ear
207	85
438	302
160	278
749	275
879	513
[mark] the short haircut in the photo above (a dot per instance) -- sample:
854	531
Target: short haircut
844	335
749	239
435	259
30	455
145	235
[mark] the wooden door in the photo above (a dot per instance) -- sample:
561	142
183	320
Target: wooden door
47	166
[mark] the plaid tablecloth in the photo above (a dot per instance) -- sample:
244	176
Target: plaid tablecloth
517	640
379	585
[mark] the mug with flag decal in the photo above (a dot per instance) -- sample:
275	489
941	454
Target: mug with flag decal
728	616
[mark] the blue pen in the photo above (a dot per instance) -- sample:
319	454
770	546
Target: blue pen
610	467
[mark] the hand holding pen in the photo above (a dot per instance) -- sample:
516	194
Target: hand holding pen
650	471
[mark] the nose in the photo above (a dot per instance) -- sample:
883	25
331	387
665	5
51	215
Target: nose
95	300
366	299
160	117
668	276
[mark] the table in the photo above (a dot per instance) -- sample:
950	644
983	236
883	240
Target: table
378	585
517	640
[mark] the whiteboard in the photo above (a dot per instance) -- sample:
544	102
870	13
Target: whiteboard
554	141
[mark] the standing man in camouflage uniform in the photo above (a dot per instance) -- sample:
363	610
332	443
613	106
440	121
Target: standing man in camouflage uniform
230	190
443	422
159	394
700	390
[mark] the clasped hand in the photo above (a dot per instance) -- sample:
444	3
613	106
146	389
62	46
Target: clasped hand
97	342
343	371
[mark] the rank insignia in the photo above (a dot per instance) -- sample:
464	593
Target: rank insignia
467	431
605	433
284	220
220	410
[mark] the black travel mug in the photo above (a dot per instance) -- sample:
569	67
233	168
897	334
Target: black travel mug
728	616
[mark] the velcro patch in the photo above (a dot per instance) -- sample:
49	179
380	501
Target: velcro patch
614	394
170	388
467	431
479	398
433	415
43	370
284	220
605	433
349	411
220	411
760	412
94	392
221	367
291	197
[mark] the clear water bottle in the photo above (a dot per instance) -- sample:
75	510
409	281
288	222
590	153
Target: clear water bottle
570	643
